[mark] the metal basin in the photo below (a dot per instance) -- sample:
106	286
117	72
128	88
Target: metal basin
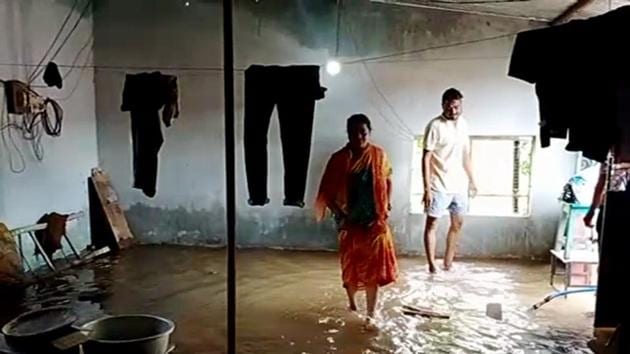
34	331
128	334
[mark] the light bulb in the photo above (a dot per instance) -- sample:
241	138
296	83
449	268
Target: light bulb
333	67
187	3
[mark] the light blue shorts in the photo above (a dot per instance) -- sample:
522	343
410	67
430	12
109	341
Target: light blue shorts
454	203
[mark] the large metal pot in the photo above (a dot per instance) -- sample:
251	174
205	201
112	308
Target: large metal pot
128	334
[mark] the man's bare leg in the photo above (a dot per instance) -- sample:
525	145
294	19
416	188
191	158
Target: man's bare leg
452	239
351	291
430	230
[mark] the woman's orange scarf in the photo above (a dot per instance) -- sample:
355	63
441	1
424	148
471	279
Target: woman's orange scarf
333	189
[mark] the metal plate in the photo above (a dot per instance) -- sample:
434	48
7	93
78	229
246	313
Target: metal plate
39	322
5	348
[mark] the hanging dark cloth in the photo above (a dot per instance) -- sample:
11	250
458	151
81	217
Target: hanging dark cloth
50	238
294	90
52	77
144	95
581	76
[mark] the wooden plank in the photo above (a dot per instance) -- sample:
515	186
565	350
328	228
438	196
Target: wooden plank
424	312
111	208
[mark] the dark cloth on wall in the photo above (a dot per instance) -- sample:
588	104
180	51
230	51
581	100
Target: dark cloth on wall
612	305
50	238
294	90
144	95
52	76
581	74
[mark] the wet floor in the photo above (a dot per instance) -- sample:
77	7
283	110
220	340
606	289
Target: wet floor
292	302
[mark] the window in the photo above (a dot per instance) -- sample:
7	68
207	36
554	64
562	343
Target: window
502	167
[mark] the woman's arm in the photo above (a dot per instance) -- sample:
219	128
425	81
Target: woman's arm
389	193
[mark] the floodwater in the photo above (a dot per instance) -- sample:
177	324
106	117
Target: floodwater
292	302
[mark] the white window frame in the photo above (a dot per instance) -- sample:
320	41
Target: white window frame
417	190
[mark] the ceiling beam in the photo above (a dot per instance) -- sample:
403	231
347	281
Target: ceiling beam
571	11
453	9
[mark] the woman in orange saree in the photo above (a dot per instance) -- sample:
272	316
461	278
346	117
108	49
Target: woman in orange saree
356	187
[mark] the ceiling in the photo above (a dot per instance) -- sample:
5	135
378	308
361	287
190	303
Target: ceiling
538	10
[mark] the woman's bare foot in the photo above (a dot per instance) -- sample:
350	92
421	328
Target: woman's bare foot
370	324
351	292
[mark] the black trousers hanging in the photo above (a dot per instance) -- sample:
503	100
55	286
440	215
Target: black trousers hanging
146	135
293	90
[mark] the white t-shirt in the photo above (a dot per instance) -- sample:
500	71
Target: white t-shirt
449	141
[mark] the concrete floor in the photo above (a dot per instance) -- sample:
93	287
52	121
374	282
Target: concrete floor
292	302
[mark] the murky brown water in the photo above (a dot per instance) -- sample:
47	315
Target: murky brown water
292	302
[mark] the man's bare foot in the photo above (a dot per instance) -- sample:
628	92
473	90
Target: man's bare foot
432	268
352	307
448	267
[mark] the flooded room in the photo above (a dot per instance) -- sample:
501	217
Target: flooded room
314	176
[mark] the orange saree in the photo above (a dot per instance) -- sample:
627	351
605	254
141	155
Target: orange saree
366	250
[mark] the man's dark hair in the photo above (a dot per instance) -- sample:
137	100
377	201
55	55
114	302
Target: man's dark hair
451	95
358	119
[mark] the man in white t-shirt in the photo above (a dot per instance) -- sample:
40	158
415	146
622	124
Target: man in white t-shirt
447	174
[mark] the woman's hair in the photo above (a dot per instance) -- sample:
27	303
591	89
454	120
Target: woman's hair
358	119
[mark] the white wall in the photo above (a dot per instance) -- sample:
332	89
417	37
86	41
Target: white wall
58	183
189	207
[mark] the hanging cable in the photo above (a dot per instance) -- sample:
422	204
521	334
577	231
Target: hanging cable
129	68
404	131
78	82
443	8
87	6
338	30
76	58
436	47
419	59
40	70
52	129
40	116
6	137
376	59
54	41
400	120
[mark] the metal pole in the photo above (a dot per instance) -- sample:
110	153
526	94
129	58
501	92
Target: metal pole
228	75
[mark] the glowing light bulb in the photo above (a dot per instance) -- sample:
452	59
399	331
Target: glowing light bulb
333	67
187	3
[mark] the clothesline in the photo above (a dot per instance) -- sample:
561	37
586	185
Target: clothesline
113	67
378	58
